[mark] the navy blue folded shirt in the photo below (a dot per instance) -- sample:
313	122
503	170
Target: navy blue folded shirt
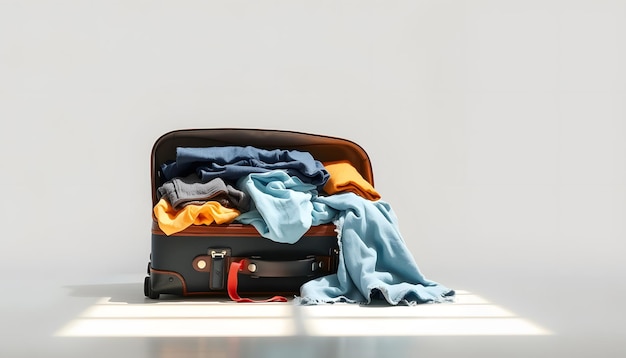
233	162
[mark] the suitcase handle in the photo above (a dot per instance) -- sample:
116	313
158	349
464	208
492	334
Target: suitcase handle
256	267
295	268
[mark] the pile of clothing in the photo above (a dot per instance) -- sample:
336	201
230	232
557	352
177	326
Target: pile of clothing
282	193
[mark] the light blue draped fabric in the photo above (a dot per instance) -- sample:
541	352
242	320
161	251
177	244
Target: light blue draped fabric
283	209
375	262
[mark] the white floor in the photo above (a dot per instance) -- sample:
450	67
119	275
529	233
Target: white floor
496	314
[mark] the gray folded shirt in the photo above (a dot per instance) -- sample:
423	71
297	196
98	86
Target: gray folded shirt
180	192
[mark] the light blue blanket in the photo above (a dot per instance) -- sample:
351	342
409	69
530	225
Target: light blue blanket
374	264
282	206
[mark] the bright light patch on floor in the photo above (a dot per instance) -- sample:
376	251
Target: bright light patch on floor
178	327
468	315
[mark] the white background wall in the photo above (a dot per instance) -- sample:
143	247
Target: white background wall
496	128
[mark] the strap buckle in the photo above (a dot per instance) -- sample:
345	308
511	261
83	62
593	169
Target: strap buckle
218	255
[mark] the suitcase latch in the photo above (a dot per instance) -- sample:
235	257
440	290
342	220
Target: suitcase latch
218	268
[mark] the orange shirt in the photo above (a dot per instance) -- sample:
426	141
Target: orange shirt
344	177
172	221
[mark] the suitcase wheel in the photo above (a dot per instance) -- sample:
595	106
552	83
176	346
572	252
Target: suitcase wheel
147	289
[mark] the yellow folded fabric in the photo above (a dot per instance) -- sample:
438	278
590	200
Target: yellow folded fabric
172	221
345	178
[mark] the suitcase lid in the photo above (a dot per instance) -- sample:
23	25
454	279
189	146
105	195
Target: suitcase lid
322	147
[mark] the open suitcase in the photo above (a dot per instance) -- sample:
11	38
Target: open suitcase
199	260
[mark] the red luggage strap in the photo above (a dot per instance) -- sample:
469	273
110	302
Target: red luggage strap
235	267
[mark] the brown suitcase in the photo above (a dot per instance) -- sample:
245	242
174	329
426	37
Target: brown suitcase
198	259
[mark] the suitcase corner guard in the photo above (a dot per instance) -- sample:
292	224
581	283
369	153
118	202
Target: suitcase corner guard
167	282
